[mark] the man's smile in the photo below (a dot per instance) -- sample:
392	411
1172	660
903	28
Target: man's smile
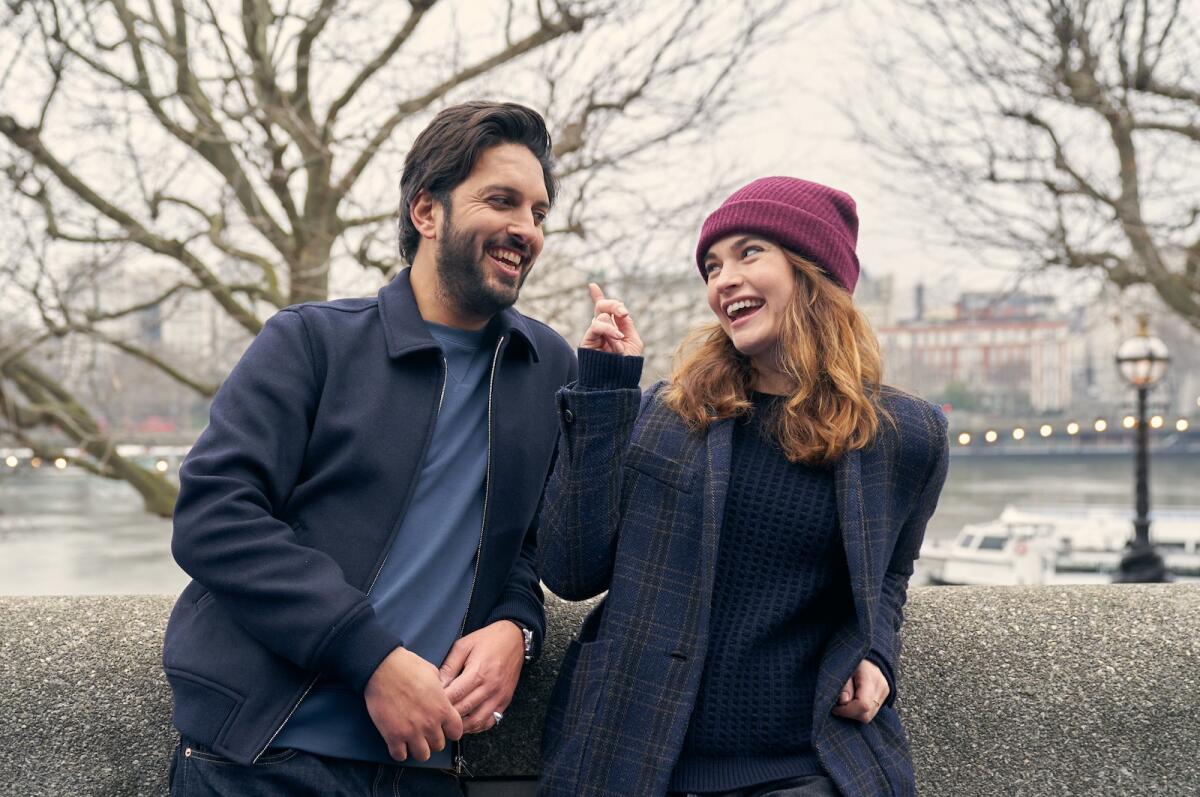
508	261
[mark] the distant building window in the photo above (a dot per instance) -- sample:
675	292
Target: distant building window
991	543
967	541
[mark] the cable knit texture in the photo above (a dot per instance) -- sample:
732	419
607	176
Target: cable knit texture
815	221
782	587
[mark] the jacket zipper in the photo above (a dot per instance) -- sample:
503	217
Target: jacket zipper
460	763
378	570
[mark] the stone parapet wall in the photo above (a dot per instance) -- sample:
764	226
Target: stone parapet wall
1004	691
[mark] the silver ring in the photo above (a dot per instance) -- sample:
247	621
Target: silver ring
496	715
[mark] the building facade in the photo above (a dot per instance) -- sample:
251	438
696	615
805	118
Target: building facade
999	353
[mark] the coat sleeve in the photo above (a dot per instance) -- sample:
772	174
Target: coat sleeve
582	501
885	646
522	600
228	535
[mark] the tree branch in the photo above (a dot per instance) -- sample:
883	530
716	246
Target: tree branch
549	31
29	141
54	404
1061	161
206	389
207	140
95	316
301	98
374	65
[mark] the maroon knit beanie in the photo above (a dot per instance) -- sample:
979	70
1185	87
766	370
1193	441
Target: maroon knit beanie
815	221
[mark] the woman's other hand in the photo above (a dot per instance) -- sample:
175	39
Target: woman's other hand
612	329
863	694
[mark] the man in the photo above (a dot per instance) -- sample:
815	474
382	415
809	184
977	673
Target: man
359	517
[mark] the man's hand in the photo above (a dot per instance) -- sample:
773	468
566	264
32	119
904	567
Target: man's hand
481	671
612	329
863	694
406	703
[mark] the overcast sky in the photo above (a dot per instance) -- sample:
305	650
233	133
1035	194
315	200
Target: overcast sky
805	134
794	127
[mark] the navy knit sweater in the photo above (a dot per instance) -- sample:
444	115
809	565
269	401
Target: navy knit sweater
782	586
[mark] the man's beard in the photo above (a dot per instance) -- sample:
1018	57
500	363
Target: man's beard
464	279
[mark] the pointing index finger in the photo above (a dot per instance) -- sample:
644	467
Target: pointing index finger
595	292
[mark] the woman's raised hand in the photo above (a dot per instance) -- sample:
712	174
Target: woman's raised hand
612	329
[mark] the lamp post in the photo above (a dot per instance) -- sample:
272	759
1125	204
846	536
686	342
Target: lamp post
1142	361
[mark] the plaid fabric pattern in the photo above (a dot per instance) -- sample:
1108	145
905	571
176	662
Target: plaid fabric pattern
634	506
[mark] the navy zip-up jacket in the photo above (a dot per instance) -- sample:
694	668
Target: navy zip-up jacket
291	497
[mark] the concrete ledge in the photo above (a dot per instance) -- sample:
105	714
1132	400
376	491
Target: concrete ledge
1004	691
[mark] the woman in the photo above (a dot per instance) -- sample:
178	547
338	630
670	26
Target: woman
754	521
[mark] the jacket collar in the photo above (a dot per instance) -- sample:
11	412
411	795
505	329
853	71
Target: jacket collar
405	330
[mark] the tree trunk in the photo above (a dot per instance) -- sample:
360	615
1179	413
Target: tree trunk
310	273
158	494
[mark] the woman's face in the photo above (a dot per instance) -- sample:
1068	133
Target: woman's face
750	283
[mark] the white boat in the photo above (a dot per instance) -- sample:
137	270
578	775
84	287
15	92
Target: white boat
1059	545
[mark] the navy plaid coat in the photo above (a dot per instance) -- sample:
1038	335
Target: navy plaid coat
634	506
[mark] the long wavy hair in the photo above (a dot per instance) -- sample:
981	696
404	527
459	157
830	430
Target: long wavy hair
827	349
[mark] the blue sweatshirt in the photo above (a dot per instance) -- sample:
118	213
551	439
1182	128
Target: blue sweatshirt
424	586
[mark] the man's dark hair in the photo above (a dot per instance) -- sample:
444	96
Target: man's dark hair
446	151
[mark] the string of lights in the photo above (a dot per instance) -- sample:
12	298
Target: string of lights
167	458
1071	429
164	458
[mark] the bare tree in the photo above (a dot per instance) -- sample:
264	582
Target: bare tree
1064	133
168	153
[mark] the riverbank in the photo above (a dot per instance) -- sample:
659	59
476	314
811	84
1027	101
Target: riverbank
70	533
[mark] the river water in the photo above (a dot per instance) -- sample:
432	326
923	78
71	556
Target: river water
69	533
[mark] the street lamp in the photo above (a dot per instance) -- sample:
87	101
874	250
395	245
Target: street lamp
1142	361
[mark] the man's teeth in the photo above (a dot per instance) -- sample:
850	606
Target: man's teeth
504	256
745	304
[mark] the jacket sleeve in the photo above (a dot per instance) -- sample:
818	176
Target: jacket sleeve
229	537
885	646
581	511
522	600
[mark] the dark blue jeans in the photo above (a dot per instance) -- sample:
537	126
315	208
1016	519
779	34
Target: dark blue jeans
198	772
808	786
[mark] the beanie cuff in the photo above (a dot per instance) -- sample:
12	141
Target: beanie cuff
814	221
796	229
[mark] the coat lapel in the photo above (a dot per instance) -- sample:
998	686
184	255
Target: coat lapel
718	453
851	520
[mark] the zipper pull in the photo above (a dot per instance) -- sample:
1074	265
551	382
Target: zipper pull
460	765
